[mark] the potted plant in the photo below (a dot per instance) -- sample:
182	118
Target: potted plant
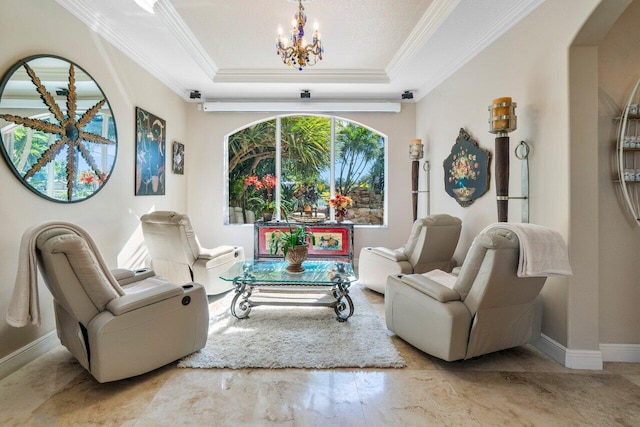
263	207
261	194
294	244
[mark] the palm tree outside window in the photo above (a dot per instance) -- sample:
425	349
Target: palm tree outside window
314	158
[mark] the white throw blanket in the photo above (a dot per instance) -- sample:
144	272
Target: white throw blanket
543	251
24	307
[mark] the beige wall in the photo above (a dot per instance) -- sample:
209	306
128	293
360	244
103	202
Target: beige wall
111	216
204	168
530	64
619	269
582	308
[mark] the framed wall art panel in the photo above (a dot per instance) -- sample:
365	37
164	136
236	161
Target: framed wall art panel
178	158
150	154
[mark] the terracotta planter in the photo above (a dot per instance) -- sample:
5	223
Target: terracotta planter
295	256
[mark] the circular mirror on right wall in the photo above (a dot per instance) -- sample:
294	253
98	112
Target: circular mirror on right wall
57	130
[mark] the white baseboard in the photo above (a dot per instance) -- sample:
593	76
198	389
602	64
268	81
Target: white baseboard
14	361
574	359
584	359
552	348
620	352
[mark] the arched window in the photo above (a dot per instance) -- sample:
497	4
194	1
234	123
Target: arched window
301	162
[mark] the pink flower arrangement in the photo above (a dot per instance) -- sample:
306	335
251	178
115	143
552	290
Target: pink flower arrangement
340	203
267	183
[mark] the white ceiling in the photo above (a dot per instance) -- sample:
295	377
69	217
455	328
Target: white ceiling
374	49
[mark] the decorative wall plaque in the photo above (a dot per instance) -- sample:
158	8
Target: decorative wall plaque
466	170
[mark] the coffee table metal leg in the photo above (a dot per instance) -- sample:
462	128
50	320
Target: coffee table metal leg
344	304
240	309
344	308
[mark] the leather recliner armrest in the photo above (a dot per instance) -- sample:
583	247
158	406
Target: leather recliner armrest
147	296
391	254
122	274
126	277
430	288
216	252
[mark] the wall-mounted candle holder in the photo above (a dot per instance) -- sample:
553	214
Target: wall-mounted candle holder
416	152
502	120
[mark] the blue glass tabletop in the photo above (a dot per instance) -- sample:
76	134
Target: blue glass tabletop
316	272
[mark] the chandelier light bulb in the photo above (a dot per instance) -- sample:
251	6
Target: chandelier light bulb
315	26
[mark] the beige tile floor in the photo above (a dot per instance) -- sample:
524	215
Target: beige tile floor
514	387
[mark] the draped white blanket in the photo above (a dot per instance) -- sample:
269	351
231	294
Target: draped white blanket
24	306
543	251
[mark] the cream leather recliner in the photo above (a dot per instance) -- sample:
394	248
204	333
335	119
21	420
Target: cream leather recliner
177	256
431	245
488	308
117	332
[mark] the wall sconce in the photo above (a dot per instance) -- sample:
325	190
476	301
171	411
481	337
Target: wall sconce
416	153
502	120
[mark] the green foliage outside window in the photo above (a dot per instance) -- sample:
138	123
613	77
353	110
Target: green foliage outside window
305	149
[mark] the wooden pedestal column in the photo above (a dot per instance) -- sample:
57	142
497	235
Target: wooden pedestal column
502	177
415	173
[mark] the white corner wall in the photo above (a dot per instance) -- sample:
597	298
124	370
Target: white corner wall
111	216
530	64
618	65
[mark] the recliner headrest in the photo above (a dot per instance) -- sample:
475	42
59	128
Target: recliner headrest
162	217
84	264
495	239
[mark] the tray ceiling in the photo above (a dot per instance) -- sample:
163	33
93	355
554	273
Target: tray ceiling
374	49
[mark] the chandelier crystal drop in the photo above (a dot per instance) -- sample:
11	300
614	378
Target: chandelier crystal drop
299	53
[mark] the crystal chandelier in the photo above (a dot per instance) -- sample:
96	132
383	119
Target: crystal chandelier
300	54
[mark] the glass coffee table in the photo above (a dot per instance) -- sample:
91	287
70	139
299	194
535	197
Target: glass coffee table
322	283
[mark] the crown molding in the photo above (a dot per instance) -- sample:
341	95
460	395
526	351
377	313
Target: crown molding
108	31
501	25
295	76
426	27
187	39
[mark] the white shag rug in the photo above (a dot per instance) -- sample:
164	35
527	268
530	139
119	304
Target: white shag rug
295	337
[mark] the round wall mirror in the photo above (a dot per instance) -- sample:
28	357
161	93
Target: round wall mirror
57	130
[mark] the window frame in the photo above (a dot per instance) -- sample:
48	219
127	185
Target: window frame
278	164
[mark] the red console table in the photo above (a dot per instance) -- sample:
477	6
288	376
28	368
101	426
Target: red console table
334	241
